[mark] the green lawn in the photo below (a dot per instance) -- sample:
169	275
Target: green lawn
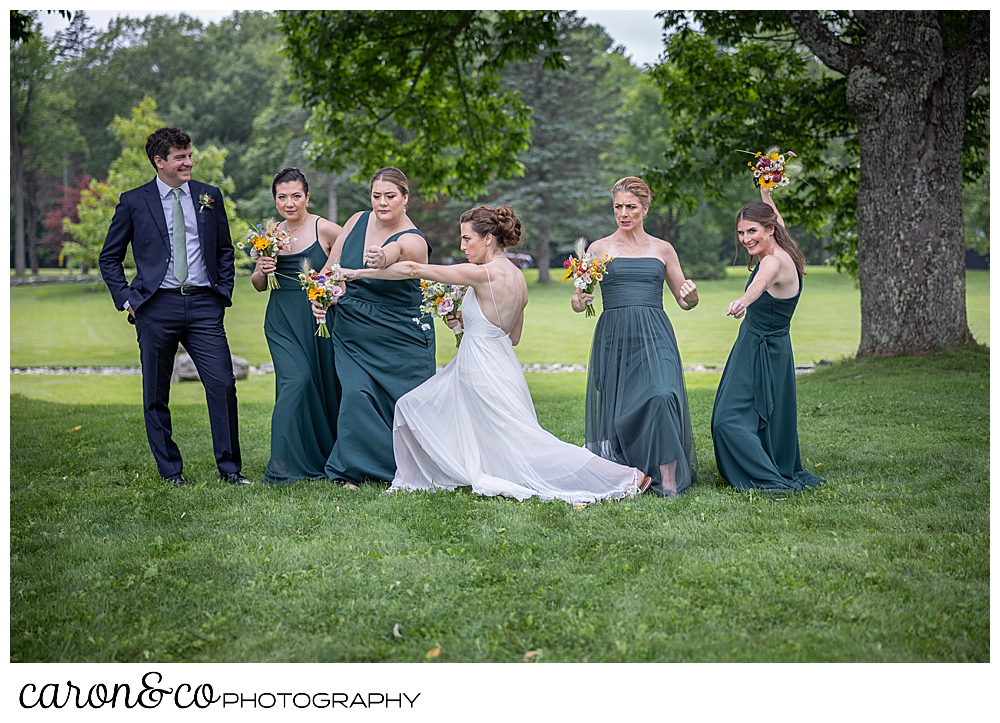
76	324
888	561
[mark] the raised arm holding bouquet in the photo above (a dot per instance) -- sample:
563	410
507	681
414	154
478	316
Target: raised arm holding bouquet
754	424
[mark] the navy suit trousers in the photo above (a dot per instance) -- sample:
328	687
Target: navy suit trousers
196	322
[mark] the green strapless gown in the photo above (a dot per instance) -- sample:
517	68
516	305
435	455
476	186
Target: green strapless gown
305	383
637	407
754	425
381	353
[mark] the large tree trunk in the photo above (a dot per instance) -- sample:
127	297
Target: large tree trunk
32	238
668	224
17	163
907	90
909	106
331	197
544	252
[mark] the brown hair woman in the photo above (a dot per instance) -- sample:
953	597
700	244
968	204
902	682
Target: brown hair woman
380	352
754	425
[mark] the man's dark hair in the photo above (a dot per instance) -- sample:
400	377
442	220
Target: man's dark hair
162	140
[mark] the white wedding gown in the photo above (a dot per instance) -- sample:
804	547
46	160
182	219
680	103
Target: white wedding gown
473	423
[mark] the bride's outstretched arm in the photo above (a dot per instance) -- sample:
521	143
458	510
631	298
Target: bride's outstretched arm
462	274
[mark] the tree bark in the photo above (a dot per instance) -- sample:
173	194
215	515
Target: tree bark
331	197
907	91
32	236
544	252
17	163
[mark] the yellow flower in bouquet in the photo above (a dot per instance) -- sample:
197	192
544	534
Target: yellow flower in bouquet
442	301
323	288
586	270
772	168
266	239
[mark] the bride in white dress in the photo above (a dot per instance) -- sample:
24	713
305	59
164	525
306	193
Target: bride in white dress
473	424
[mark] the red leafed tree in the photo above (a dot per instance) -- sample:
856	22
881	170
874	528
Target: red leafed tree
66	208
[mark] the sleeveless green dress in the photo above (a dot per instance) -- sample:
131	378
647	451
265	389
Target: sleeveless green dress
637	407
306	393
754	425
382	350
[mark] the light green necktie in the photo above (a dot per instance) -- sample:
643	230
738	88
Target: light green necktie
180	239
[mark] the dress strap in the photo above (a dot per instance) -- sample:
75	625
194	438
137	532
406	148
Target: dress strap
395	236
490	282
316	229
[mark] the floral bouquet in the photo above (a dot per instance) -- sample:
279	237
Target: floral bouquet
442	300
266	239
323	288
771	169
586	270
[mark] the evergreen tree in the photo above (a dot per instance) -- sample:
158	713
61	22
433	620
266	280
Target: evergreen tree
563	193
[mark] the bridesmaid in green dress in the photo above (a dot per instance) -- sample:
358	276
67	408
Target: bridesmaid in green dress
382	348
754	426
305	385
637	408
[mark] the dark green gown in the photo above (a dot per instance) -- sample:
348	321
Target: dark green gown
754	426
637	407
305	382
382	350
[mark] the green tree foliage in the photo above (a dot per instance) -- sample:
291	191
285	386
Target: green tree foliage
743	81
132	169
678	213
210	80
22	24
893	107
43	135
977	214
417	89
564	191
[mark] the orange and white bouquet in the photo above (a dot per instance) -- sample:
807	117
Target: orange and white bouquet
442	301
323	288
266	239
586	270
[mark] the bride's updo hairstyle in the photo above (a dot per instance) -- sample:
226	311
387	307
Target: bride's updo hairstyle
631	184
762	213
393	176
499	221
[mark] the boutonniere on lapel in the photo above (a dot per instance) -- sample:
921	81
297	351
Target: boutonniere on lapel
205	201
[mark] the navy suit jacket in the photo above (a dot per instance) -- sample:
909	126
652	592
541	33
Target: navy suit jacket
139	220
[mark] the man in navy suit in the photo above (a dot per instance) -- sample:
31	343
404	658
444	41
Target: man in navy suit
185	267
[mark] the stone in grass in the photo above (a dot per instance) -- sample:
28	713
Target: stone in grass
185	371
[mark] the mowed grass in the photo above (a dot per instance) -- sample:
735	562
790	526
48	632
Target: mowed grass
68	325
888	561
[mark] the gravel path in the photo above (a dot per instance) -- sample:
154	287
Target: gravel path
268	369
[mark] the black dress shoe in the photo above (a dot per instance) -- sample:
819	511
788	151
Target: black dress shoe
236	478
177	479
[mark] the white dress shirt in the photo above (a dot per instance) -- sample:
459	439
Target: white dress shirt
197	273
